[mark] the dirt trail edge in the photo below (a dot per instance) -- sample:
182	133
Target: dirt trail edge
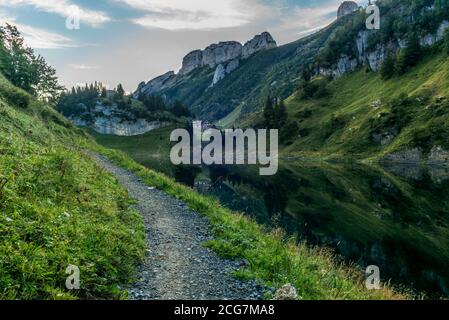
177	265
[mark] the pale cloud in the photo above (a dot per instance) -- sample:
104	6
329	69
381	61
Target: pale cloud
38	38
64	8
196	14
82	67
309	19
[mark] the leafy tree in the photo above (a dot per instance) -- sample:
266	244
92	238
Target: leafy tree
120	91
281	115
180	110
23	68
446	41
410	55
387	68
104	93
268	113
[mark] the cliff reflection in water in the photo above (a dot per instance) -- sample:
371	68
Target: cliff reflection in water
396	217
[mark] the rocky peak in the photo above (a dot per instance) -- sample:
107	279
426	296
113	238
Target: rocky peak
260	42
155	85
191	61
347	7
223	52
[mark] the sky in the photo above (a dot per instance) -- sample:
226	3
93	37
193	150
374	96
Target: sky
130	41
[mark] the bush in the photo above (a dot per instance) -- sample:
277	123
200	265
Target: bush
446	42
387	67
409	56
15	97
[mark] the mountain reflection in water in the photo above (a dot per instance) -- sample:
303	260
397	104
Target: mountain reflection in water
396	217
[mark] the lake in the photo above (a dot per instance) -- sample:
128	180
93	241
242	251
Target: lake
395	217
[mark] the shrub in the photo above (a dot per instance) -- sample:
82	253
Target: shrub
387	67
15	97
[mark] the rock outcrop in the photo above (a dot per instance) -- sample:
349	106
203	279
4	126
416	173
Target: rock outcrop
263	41
223	52
155	85
376	56
223	70
191	61
224	57
108	120
347	7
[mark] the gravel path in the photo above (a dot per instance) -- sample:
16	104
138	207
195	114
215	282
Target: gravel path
177	265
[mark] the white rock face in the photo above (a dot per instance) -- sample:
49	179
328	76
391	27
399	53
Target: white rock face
374	58
223	52
223	70
155	85
113	126
263	41
212	56
347	7
103	120
191	61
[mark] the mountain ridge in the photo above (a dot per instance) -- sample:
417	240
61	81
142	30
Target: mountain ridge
333	51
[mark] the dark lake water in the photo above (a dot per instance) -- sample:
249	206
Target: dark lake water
395	217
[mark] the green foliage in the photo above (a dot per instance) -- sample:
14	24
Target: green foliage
387	69
275	114
315	89
80	100
24	69
410	55
120	92
179	110
58	208
446	41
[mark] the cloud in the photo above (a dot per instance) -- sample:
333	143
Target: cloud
64	8
82	67
39	38
196	14
307	19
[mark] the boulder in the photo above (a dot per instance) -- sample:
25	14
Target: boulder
287	292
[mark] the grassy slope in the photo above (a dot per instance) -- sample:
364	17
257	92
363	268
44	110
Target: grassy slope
350	98
58	208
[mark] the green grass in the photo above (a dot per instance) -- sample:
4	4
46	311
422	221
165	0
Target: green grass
58	208
421	122
273	258
151	149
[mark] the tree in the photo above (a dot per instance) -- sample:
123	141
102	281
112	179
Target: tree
446	41
180	110
24	69
120	91
268	112
281	115
387	68
104	93
410	55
